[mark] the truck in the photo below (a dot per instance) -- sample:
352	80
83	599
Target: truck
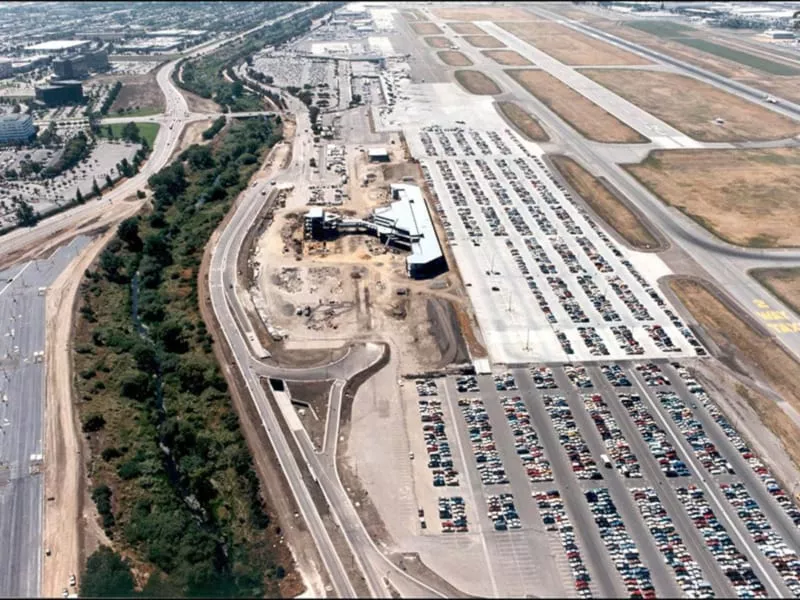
605	460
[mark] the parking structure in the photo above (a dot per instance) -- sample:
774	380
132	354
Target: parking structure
516	233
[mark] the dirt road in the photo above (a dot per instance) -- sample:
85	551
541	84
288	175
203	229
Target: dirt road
63	464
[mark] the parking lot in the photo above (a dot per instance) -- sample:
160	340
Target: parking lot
546	282
613	479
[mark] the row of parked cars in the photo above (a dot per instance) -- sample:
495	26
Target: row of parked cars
578	375
532	286
760	469
655	437
704	449
526	441
617	447
487	457
551	509
771	545
453	514
687	572
543	378
727	556
502	512
437	446
615	375
621	548
505	382
580	457
652	374
626	341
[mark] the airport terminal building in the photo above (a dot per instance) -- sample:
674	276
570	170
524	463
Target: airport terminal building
405	224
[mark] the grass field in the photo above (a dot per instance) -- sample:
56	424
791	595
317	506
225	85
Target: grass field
484	41
737	337
466	29
523	121
694	110
607	206
665	29
425	28
747	197
744	58
578	111
477	83
571	47
783	283
454	58
508	58
147	131
143	112
437	42
494	13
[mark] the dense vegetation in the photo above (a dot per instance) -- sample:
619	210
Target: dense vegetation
204	76
112	95
215	128
76	149
192	518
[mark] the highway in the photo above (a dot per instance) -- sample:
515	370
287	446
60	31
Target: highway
22	381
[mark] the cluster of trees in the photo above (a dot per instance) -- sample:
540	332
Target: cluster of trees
195	515
76	149
112	95
215	128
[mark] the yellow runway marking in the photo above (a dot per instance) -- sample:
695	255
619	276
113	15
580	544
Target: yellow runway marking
784	322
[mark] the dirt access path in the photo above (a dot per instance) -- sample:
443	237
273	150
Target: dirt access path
63	479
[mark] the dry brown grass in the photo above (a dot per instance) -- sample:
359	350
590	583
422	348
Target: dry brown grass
425	28
523	121
437	42
571	47
488	13
477	83
508	58
574	108
735	336
607	206
466	28
455	58
484	41
783	283
747	197
694	109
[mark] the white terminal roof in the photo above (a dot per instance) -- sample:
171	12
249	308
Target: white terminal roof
57	45
378	152
410	213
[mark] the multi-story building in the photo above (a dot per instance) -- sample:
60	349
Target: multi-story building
79	65
6	68
16	128
59	93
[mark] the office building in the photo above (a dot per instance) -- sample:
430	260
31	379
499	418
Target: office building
16	129
6	68
59	93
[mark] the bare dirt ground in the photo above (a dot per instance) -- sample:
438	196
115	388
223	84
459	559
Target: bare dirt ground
63	464
412	14
508	58
488	13
748	349
484	41
425	28
199	104
571	47
454	58
578	111
746	197
192	134
477	83
784	283
437	42
606	204
466	28
523	121
694	110
139	92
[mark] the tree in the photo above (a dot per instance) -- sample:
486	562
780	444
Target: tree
128	232
78	197
109	183
131	132
136	385
110	131
26	216
95	188
107	574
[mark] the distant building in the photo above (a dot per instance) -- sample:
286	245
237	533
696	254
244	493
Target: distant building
378	155
6	68
78	65
58	46
16	128
59	93
405	224
778	34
